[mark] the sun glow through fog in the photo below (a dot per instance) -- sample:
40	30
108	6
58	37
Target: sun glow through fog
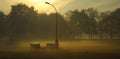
45	8
41	6
62	5
38	5
35	0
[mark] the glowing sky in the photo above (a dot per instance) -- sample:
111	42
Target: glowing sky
62	5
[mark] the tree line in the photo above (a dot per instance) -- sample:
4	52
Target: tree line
26	22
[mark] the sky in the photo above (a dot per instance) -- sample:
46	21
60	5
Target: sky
62	5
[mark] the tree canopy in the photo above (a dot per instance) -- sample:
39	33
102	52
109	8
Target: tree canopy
26	22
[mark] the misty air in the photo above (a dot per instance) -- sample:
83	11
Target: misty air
57	29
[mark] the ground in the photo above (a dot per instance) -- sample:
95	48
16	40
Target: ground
80	49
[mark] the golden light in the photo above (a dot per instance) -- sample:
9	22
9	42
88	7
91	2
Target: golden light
42	0
44	8
41	6
35	0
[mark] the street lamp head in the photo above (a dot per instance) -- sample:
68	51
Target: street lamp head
47	2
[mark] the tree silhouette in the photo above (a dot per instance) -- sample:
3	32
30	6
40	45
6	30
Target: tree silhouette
2	24
111	23
47	26
20	19
24	21
93	18
82	22
101	23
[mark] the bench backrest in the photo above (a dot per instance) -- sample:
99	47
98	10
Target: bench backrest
35	46
52	45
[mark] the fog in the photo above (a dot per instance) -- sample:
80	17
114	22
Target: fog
98	46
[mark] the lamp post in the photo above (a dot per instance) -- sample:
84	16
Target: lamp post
56	41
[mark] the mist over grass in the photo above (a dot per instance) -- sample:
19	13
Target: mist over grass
68	49
99	46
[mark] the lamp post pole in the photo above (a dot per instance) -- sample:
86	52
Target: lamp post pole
56	41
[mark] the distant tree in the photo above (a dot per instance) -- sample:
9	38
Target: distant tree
20	19
82	22
2	24
93	19
47	26
64	31
74	17
104	14
41	25
112	23
25	20
101	24
2	16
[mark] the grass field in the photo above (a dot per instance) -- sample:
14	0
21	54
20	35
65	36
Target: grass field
80	49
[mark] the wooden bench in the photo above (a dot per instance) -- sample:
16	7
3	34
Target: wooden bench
51	45
35	46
